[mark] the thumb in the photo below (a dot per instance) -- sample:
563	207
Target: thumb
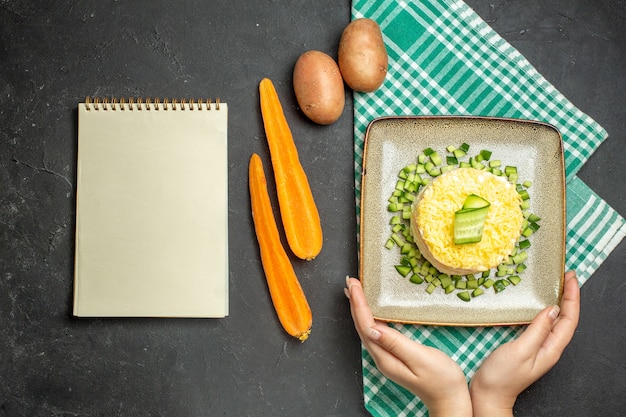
394	342
539	329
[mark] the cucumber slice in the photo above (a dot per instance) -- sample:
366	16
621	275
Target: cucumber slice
469	221
475	201
468	225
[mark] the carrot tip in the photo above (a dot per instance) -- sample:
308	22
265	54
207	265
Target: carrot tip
304	336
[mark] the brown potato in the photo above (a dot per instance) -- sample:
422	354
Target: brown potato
362	56
319	87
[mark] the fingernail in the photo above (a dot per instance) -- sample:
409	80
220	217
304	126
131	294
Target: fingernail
349	284
375	334
554	312
347	293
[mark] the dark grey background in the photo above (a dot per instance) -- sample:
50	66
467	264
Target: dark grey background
54	53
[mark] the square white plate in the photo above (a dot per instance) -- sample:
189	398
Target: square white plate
536	150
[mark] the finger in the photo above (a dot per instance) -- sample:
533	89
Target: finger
414	361
570	304
400	354
361	313
563	330
538	331
364	323
398	344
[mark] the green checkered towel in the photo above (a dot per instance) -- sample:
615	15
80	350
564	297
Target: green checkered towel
445	60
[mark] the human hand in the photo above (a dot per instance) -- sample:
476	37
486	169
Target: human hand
514	366
425	371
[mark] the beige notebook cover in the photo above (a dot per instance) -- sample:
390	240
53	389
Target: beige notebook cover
151	210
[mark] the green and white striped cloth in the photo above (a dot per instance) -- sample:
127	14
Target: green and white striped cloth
445	60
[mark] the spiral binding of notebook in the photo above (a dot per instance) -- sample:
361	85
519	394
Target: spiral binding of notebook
139	104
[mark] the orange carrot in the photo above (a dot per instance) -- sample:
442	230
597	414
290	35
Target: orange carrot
288	298
298	211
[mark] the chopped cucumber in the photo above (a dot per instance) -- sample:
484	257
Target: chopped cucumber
452	160
533	218
395	220
470	219
459	153
416	279
477	292
508	170
499	286
524	194
445	280
435	158
464	295
403	269
525	205
514	279
406	248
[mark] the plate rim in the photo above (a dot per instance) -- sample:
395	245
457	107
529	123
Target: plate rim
462	117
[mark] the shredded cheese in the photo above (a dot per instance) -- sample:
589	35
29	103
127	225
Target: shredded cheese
434	217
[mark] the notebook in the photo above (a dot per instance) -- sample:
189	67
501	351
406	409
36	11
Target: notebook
151	209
